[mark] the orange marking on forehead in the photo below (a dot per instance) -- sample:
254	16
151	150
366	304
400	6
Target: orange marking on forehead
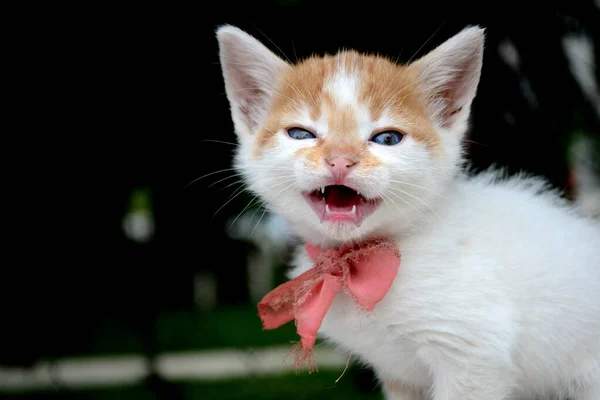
392	91
342	125
299	88
385	89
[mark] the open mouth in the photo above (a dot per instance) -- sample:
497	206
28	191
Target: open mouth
341	204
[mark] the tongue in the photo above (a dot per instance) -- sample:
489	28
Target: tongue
341	198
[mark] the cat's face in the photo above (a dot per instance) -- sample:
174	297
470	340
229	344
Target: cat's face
350	145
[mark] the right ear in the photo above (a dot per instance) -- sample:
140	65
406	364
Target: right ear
251	72
449	76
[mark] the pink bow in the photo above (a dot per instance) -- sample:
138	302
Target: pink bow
364	271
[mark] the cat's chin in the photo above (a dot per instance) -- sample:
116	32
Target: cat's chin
340	206
338	233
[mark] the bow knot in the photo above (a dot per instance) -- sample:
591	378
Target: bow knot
365	271
330	261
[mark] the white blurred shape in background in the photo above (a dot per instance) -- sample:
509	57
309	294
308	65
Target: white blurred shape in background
138	221
586	182
579	49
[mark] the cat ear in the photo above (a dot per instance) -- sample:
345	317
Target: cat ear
449	76
250	71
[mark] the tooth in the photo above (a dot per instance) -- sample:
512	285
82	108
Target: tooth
358	193
353	210
323	189
327	209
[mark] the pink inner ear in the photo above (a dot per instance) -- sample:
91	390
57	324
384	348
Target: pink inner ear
250	98
250	71
452	98
249	102
450	75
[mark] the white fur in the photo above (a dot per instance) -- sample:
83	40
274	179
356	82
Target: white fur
498	293
344	86
501	293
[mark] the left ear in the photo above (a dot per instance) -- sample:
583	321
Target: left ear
449	76
251	72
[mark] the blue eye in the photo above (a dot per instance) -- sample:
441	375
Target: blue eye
387	138
300	134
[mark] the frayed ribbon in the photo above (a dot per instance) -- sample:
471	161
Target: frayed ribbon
365	271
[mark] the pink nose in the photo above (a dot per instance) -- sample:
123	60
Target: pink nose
340	167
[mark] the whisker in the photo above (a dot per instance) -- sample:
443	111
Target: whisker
227	202
220	141
474	142
241	187
399	55
384	196
407	202
271	186
419	199
209	174
234	175
266	207
427	41
294	50
241	212
274	44
420	187
233	183
224	179
287	187
235	169
262	205
258	222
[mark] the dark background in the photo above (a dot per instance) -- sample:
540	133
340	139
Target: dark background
125	97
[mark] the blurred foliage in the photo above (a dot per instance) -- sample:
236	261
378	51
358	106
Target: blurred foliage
179	331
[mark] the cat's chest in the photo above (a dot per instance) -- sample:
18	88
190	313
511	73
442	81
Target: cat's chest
424	305
381	337
430	301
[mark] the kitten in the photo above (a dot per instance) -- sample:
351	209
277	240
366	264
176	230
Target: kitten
498	291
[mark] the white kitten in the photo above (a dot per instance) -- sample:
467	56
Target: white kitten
498	292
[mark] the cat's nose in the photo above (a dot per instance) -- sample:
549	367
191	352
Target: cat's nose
340	167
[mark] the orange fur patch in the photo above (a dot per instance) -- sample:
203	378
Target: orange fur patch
384	88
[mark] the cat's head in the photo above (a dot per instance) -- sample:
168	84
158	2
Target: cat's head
350	145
